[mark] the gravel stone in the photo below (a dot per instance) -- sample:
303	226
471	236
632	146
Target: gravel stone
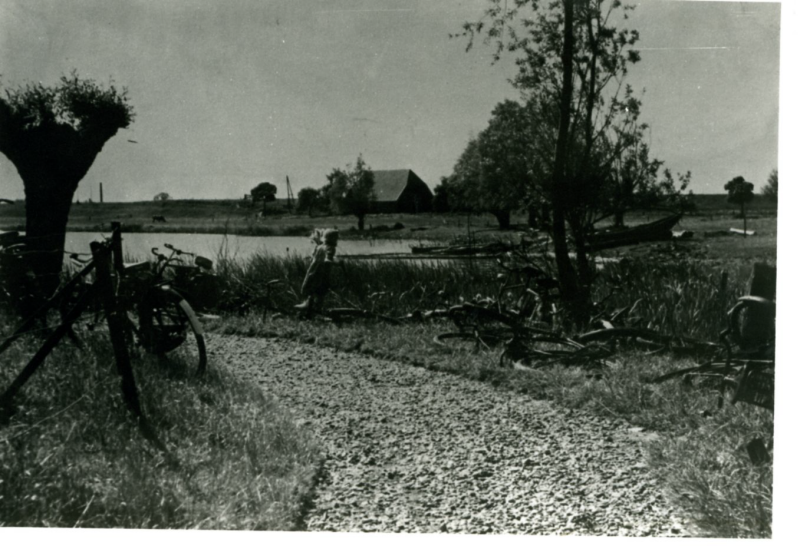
412	450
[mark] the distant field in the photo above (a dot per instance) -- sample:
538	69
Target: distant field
719	202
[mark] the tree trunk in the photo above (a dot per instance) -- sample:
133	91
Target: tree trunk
503	218
567	280
583	297
533	217
47	206
361	222
619	218
744	217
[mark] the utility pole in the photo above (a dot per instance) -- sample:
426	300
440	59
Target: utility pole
101	192
289	194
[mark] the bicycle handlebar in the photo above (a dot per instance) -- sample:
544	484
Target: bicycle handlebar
177	250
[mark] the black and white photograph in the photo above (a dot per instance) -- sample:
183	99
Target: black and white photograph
312	269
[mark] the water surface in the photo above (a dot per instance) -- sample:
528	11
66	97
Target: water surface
238	246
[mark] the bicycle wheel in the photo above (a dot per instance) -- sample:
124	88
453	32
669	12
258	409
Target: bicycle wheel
164	321
465	340
473	317
535	351
716	368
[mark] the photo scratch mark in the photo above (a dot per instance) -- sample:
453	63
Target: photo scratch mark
683	48
364	10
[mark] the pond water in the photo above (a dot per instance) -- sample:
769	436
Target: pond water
138	245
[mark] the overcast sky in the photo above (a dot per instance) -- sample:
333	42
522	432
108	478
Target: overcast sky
230	94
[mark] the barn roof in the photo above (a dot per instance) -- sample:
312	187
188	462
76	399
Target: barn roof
390	184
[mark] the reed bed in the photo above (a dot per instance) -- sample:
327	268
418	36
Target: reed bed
683	298
391	287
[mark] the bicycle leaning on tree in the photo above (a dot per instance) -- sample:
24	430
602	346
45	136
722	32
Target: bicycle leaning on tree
139	301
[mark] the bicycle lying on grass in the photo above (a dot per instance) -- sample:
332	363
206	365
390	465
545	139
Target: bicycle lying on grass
742	363
518	319
522	345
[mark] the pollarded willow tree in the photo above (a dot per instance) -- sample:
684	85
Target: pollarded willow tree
572	62
52	135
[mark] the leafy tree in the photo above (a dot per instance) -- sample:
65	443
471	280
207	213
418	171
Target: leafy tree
466	169
52	135
163	196
441	201
351	190
770	189
308	199
264	192
635	182
492	173
740	192
571	62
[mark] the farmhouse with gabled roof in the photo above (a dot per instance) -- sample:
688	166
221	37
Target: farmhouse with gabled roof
401	190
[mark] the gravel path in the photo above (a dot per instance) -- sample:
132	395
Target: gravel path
411	450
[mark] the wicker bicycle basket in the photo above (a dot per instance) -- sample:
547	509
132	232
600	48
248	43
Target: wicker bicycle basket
757	387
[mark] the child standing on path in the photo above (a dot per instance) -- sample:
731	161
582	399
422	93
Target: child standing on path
317	281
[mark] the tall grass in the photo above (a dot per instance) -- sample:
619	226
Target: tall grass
676	297
709	473
72	455
391	287
683	297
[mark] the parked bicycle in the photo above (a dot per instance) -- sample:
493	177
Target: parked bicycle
139	304
745	366
154	296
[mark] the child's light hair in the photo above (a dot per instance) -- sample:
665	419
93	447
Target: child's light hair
325	237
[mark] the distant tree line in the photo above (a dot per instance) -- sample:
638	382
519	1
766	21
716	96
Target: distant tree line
349	191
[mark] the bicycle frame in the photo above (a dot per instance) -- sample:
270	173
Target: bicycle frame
106	257
100	261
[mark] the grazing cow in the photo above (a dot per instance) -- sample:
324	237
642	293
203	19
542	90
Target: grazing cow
157	219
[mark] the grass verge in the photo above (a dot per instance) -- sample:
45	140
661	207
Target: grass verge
72	455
